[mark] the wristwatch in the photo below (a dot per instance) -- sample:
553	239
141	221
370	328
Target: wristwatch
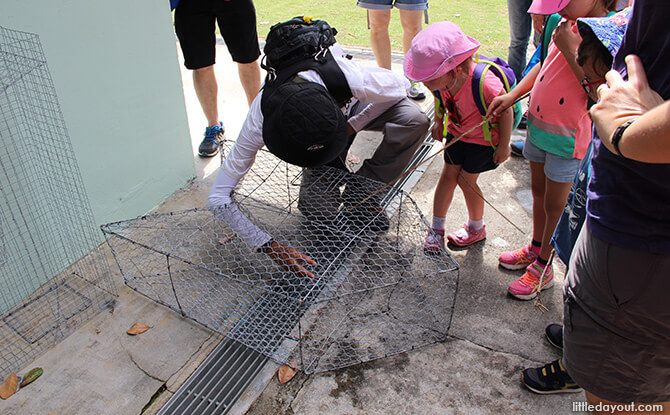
618	133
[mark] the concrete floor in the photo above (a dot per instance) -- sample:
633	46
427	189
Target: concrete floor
100	369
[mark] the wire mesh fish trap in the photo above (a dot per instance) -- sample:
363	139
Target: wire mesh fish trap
375	292
53	275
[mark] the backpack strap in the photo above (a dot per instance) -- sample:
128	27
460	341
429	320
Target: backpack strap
478	75
548	30
326	66
441	111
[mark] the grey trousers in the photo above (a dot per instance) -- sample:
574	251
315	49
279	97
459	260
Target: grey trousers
616	319
403	126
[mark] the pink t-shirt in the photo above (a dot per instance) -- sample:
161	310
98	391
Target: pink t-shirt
466	107
558	121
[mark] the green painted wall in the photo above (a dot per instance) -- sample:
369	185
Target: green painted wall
115	69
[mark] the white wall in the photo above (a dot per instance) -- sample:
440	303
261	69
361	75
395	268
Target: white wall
116	72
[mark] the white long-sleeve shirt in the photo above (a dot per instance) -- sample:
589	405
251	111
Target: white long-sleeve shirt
378	88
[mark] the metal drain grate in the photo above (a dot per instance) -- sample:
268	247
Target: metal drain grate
219	381
226	373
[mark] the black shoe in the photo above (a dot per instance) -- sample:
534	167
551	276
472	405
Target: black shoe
548	379
213	139
554	333
365	216
517	148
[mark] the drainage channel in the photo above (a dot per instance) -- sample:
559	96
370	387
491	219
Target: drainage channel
226	373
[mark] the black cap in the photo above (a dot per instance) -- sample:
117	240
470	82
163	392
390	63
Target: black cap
303	125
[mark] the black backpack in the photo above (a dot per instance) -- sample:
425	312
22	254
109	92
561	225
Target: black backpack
300	44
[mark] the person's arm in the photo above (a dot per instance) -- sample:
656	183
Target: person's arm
566	37
647	139
505	123
503	102
238	162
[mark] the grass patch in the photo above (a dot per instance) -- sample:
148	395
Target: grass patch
484	20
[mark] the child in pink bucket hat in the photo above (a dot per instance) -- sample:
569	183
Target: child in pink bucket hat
441	57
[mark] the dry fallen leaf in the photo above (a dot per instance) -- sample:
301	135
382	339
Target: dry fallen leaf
9	386
286	373
138	328
227	238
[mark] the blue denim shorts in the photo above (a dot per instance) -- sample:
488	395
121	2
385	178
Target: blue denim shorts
411	5
557	168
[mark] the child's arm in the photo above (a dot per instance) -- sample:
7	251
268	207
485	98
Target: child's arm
505	123
505	101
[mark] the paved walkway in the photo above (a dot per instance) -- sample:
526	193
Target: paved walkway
99	369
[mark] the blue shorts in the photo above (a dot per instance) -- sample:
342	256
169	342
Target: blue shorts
411	5
557	168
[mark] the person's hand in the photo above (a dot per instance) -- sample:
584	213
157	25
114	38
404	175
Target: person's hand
290	258
567	38
501	154
437	132
621	101
538	22
500	104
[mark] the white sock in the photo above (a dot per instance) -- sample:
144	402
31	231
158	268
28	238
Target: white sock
439	223
475	225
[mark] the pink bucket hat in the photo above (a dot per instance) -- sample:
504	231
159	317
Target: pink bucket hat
547	6
436	50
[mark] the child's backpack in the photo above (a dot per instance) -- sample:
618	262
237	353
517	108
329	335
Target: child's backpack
504	72
300	44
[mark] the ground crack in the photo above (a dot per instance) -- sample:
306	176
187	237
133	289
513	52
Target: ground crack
130	356
495	350
188	361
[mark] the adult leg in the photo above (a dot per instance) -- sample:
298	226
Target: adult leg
379	36
410	21
404	127
520	26
206	88
250	77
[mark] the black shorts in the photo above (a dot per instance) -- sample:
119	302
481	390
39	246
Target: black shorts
194	24
474	158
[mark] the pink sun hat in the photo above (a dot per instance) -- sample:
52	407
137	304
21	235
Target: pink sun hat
547	6
436	50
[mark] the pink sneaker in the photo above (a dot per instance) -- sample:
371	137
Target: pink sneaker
525	288
434	243
467	236
517	259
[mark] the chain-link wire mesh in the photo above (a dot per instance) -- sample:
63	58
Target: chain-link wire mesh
53	273
375	292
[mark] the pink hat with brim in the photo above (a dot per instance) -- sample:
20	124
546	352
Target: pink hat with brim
547	6
436	50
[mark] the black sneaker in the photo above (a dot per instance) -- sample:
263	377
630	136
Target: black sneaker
554	333
548	379
213	139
